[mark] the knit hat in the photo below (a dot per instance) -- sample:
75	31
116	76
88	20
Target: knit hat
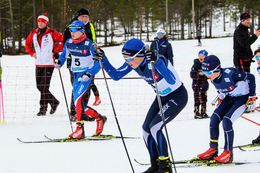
211	62
43	18
77	25
82	11
134	47
160	33
245	16
204	52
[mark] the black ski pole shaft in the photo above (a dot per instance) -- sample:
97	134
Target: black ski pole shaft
65	98
117	122
162	115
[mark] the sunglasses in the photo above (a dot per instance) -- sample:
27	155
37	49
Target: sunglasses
130	59
257	58
75	28
210	72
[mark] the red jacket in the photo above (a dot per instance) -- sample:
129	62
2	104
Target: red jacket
44	46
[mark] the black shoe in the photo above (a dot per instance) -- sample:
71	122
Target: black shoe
204	115
154	166
41	113
73	118
54	107
165	165
198	116
256	141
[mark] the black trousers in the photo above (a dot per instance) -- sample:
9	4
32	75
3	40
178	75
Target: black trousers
43	78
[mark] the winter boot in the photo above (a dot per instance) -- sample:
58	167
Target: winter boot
101	120
203	111
165	165
154	166
209	154
225	157
197	114
42	111
256	141
54	107
79	132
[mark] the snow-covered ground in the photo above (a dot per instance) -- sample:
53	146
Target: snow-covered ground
131	98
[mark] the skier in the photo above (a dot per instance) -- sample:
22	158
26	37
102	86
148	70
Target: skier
257	57
83	16
84	68
200	86
162	44
44	44
235	88
171	90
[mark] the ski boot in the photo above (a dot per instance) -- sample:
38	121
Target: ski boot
101	120
256	140
225	157
79	132
154	166
54	107
42	111
209	154
165	165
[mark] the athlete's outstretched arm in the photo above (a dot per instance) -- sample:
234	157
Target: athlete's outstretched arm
115	74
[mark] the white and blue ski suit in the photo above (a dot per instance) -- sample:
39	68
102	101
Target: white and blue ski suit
82	62
234	88
173	95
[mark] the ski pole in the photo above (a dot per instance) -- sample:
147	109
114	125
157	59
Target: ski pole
64	94
162	115
250	120
115	116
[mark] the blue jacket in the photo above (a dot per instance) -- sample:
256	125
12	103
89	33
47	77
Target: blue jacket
82	56
234	83
167	78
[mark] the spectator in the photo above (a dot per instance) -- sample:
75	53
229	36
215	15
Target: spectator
200	86
162	44
199	34
241	43
43	44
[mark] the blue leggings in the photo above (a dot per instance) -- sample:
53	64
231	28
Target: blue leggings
230	109
153	124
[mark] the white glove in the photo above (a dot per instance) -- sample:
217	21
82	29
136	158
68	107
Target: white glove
85	77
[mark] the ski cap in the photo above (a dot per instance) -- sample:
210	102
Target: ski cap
204	52
82	11
77	26
134	47
160	33
245	16
210	63
43	18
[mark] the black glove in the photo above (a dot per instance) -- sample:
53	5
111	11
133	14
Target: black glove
56	55
99	54
69	61
57	63
151	56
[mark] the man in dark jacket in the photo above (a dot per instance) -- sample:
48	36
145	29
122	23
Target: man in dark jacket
241	43
82	15
162	45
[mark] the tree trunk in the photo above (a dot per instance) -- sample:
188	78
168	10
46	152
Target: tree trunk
12	26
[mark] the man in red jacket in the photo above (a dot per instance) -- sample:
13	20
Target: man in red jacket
43	44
